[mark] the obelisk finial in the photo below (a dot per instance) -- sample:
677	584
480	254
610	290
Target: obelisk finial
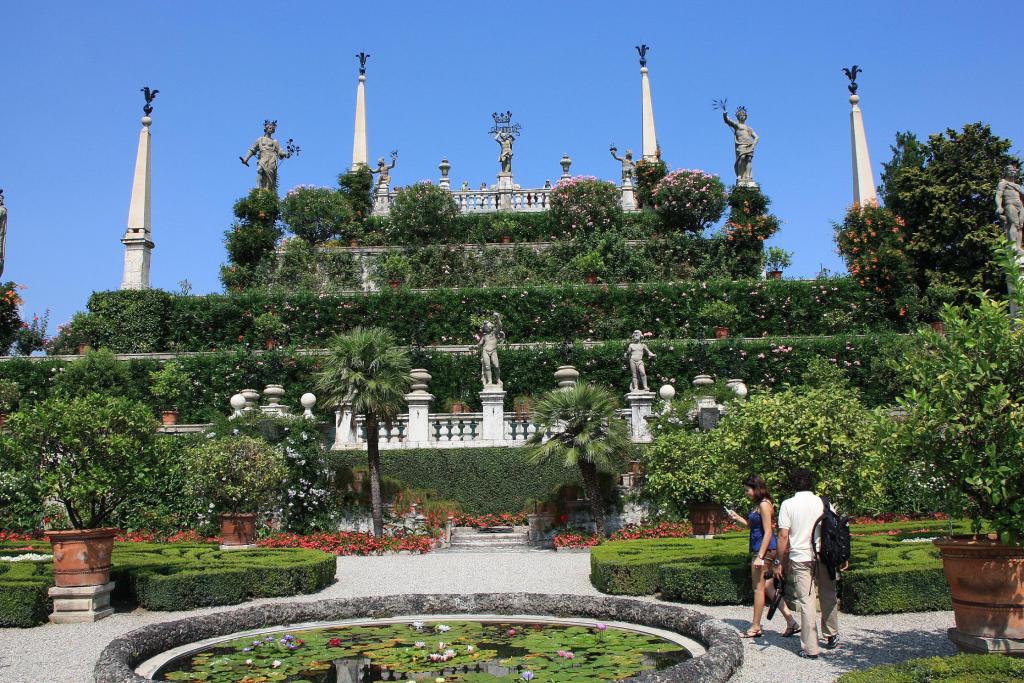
360	155
864	192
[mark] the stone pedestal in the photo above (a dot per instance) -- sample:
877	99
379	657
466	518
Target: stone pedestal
244	546
274	393
382	201
628	200
492	404
78	604
505	189
640	403
978	645
137	257
747	182
344	429
419	400
444	183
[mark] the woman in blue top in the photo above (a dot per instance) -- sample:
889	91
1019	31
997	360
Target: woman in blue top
762	552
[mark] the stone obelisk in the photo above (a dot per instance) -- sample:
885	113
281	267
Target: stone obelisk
863	178
138	238
359	146
650	138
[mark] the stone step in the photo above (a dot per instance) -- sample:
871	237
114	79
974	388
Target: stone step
505	538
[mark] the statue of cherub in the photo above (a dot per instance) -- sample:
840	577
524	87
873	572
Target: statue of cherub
492	335
636	351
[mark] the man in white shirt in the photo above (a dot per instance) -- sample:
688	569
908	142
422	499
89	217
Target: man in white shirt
795	558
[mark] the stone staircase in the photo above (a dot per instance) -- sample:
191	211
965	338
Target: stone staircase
494	539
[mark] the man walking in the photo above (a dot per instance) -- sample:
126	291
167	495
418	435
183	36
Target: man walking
796	558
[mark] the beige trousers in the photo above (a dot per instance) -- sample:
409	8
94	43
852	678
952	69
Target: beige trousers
811	584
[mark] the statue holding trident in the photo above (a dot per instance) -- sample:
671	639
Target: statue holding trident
1010	207
268	151
628	166
492	335
382	172
746	142
636	351
505	133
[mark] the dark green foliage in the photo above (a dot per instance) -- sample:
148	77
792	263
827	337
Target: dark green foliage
959	669
252	239
421	213
139	315
749	225
357	186
10	322
23	586
316	214
98	372
481	480
944	190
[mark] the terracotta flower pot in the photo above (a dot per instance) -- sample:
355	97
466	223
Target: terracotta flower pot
986	579
271	345
939	327
169	418
395	284
83	348
721	332
506	239
706	518
237	528
3	419
459	408
81	557
591	279
775	274
353	243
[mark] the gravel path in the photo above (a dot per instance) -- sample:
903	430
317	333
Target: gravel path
66	654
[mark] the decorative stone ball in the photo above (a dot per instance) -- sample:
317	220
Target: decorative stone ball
237	402
738	387
667	392
308	400
146	120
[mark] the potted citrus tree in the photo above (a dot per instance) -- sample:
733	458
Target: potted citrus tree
776	260
9	393
590	265
170	385
965	420
239	477
269	327
721	315
394	269
90	454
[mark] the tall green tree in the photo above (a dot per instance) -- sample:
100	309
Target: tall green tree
366	368
584	432
943	189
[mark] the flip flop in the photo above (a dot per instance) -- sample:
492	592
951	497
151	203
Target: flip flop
752	634
791	631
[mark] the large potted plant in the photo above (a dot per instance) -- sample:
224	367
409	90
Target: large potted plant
590	265
170	385
239	477
965	422
777	259
394	269
719	314
270	328
90	454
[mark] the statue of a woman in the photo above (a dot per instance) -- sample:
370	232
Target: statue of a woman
746	142
3	232
268	151
1010	206
628	167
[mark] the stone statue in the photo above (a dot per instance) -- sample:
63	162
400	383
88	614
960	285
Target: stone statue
628	166
505	139
746	142
492	335
150	95
268	151
383	172
1010	206
636	351
3	232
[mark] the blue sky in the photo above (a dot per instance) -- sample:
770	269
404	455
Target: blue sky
69	118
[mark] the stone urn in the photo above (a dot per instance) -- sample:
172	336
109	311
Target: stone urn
738	387
420	378
775	274
566	376
702	382
81	557
250	396
273	393
237	530
986	579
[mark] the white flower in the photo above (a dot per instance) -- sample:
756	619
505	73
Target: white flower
277	663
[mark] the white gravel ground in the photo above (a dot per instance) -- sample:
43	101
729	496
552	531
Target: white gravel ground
66	654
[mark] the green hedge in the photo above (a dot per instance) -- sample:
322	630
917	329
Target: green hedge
958	669
481	480
155	320
885	576
760	362
171	577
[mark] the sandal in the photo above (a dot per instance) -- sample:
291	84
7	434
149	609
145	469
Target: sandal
752	634
791	631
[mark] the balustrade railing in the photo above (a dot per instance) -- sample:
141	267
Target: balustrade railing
448	428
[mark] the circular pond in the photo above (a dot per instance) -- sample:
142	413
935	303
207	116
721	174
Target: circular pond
431	648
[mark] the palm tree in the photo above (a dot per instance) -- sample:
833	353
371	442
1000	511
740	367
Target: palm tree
367	369
584	432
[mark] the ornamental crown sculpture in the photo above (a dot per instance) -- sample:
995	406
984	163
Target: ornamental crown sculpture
502	120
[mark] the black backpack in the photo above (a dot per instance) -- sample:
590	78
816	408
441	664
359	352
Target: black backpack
834	544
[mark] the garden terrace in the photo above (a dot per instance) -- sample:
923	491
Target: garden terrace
889	573
168	577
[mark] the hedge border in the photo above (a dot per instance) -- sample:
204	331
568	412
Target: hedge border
961	668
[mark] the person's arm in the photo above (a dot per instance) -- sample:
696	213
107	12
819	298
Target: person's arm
766	525
738	519
782	553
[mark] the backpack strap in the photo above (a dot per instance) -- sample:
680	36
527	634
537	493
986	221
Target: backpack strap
817	523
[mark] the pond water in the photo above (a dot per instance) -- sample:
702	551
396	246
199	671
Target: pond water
450	650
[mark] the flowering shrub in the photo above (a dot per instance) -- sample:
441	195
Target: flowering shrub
10	323
571	539
659	530
871	240
352	542
316	214
422	213
648	173
252	238
689	200
583	205
234	473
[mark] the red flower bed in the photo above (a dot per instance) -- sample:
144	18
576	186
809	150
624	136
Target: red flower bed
660	530
484	521
15	536
351	542
187	536
566	539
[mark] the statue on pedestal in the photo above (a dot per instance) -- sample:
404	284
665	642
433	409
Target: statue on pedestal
268	151
1010	206
636	351
383	171
3	232
628	166
492	335
504	133
746	142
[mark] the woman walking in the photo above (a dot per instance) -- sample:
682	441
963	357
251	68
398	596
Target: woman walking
762	551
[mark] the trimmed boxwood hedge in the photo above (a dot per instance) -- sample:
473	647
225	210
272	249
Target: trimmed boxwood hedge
170	577
885	576
958	669
154	320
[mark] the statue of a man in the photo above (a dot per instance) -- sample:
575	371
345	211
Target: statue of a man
505	138
268	151
628	167
383	171
1010	206
746	142
3	232
491	336
636	351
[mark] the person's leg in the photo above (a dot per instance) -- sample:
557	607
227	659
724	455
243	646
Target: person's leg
806	599
757	580
829	603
